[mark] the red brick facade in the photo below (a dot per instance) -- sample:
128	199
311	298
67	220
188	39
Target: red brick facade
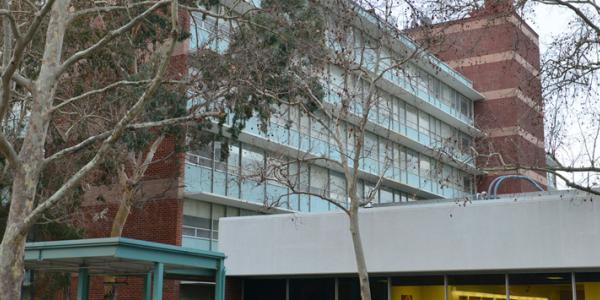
157	217
499	52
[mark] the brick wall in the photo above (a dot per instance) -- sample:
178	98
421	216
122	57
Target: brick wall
499	52
157	216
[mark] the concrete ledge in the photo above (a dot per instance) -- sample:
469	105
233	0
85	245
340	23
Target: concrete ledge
549	231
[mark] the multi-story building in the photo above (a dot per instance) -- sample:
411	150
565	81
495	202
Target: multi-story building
418	139
424	110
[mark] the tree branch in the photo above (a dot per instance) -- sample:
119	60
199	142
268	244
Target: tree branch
116	134
108	37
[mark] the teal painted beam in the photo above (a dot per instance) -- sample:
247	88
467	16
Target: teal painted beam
191	272
59	253
220	281
83	284
167	257
147	292
157	287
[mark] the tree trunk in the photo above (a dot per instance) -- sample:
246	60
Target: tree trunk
127	198
13	241
31	155
361	264
11	264
117	228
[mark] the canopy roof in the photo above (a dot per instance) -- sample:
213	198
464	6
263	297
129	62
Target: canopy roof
120	256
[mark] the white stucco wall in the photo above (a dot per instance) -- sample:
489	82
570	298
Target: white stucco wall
537	232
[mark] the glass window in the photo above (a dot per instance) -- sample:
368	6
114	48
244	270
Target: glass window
401	116
434	87
447	95
350	143
386	196
423	123
220	169
371	156
412	161
466	142
277	193
467	183
197	219
360	189
304	131
264	289
386	109
337	188
313	288
349	289
319	137
252	161
318	180
218	211
417	288
411	116
294	127
233	171
202	155
232	211
371	192
252	166
588	286
386	157
464	106
541	286
399	163
334	149
304	186
279	123
446	131
203	31
425	167
477	287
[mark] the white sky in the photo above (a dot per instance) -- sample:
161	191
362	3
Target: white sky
549	21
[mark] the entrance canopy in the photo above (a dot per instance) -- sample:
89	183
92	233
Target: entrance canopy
126	257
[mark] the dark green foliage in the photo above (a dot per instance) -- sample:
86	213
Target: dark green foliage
270	60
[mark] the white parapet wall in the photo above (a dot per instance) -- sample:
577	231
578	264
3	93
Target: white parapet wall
530	232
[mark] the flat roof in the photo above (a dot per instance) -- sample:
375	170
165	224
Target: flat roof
516	233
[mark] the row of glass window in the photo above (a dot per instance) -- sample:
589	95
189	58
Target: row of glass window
207	31
518	286
201	222
241	175
392	67
380	155
395	114
291	127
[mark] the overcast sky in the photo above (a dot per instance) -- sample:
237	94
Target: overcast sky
549	21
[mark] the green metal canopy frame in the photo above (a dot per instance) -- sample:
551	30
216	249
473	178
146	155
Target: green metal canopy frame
126	257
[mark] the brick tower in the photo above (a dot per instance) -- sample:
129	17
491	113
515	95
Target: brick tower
499	52
158	217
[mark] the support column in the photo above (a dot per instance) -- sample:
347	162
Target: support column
147	292
220	281
507	286
83	283
157	288
573	286
445	287
389	288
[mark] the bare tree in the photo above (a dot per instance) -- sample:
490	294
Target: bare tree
27	163
345	115
79	79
